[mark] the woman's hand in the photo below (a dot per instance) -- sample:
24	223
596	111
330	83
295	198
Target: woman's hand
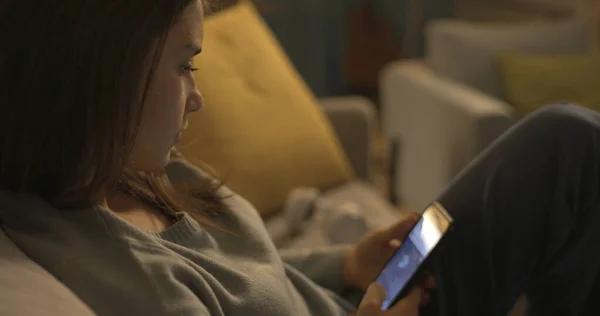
367	258
407	306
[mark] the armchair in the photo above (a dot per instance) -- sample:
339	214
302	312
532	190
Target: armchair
446	109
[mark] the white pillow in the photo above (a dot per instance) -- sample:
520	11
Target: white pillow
467	51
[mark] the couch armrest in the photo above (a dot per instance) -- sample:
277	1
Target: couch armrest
27	289
353	119
441	126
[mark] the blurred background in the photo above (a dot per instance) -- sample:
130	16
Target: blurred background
335	117
319	35
442	78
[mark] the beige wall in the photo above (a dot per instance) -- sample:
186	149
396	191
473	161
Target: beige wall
518	10
511	9
591	9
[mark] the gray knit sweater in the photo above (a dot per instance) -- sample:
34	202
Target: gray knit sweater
118	269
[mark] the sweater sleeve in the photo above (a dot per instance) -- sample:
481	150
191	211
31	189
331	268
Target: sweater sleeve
325	265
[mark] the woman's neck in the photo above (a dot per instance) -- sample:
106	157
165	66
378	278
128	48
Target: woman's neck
137	212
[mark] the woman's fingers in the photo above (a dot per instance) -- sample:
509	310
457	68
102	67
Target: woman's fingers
409	305
429	282
425	299
371	302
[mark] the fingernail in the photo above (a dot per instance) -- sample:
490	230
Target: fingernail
395	243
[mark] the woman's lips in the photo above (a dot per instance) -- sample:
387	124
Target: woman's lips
177	137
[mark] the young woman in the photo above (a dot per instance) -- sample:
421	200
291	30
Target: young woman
95	95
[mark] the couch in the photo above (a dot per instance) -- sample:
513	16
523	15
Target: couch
447	108
354	121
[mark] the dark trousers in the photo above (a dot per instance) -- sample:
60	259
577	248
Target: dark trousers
527	220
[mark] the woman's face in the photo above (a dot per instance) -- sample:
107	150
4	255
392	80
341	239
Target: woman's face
172	94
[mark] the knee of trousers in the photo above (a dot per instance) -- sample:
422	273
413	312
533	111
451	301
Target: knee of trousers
566	120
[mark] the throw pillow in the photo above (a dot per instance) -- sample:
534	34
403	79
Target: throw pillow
532	81
261	128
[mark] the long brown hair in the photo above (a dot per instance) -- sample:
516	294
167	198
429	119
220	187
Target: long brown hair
74	76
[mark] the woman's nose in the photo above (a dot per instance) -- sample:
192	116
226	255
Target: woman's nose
194	101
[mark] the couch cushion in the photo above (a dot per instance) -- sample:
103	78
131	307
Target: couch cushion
467	51
26	289
261	127
533	80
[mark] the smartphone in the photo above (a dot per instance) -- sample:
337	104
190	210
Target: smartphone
405	267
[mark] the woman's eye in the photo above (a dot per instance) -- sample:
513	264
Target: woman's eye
188	68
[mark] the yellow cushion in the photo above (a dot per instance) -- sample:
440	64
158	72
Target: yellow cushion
261	128
532	81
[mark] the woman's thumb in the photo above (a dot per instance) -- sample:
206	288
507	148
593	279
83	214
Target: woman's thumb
409	305
371	302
